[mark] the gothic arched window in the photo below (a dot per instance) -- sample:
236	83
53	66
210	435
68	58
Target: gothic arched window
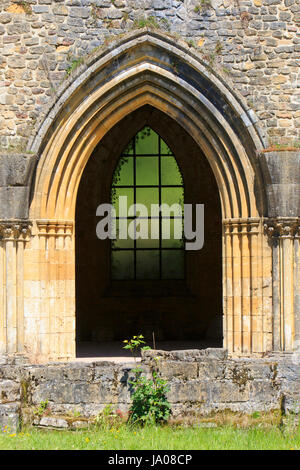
147	173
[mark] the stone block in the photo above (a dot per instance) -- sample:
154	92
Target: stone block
53	391
9	417
228	392
16	169
14	202
192	391
53	422
9	391
264	391
175	369
211	369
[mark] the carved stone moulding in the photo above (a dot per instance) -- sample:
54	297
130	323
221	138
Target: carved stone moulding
15	230
56	228
242	225
284	227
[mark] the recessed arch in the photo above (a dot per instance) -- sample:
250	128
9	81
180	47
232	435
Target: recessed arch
150	69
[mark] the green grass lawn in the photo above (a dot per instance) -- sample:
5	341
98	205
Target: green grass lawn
152	438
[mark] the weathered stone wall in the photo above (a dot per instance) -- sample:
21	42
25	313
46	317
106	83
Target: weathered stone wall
201	382
256	42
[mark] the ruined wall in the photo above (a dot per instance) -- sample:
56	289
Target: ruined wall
255	42
201	382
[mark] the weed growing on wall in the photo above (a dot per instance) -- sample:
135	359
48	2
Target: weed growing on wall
149	400
135	344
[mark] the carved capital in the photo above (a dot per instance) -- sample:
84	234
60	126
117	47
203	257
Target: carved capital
15	230
282	227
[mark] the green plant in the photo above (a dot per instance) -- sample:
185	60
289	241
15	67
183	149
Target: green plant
225	70
282	146
108	418
74	65
165	23
149	401
151	22
135	344
42	408
191	43
202	6
103	419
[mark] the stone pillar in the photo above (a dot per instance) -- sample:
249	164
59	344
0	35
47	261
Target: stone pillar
297	289
50	292
13	236
284	238
247	280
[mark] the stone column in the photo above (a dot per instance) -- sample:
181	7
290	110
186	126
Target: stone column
284	238
297	289
50	292
247	275
13	236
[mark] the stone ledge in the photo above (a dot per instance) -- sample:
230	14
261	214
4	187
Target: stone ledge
188	355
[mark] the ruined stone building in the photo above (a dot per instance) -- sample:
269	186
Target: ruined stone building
217	83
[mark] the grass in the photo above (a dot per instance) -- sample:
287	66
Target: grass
153	438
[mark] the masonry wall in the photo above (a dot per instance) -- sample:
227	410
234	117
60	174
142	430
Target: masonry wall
243	48
255	42
201	382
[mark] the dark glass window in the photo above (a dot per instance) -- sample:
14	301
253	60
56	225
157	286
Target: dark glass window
147	173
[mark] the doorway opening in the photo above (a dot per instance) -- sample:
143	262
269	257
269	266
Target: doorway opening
152	286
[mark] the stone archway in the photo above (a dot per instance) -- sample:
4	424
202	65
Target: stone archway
147	68
185	309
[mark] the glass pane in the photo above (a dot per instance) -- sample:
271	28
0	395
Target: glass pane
170	173
164	149
172	196
146	142
123	175
147	171
172	264
147	196
147	264
122	264
172	233
122	227
153	234
116	194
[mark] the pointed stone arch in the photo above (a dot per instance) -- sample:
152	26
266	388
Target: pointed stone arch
149	68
